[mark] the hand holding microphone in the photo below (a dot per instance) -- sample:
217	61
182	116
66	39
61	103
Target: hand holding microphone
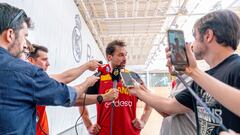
91	80
110	95
103	70
92	65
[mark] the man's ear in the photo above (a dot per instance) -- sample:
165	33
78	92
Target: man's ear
31	60
109	57
209	35
10	35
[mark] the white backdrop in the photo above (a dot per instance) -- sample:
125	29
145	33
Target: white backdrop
54	22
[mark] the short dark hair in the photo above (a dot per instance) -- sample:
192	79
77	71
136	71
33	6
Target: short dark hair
111	47
12	17
36	48
225	25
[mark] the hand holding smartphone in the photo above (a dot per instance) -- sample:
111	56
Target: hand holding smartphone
176	44
136	77
127	79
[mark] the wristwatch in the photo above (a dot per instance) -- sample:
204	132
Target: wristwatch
99	99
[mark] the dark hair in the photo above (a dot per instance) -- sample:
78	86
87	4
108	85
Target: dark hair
112	46
12	17
36	48
225	25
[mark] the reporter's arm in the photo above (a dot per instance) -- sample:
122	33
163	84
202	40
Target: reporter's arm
71	74
81	88
160	104
92	99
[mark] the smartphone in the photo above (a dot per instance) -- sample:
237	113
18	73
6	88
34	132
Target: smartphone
136	77
176	44
127	79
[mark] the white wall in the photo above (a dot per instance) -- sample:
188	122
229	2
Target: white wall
54	21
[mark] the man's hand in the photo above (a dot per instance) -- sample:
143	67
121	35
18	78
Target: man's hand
136	89
139	124
94	129
92	65
91	80
112	94
191	59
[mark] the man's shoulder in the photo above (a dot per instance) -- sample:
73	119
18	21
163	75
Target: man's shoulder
234	64
20	66
234	59
228	66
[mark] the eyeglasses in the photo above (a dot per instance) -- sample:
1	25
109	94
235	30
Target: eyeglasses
26	52
16	18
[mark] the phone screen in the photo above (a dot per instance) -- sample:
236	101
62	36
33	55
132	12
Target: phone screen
127	79
136	77
177	47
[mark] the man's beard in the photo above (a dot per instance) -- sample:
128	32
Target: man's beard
11	49
198	55
121	66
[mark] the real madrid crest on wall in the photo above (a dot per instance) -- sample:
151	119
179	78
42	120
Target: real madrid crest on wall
77	40
89	52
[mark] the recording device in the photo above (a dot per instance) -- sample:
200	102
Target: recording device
136	77
115	77
127	79
100	62
176	44
103	70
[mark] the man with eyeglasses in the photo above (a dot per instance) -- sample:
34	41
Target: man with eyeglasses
22	85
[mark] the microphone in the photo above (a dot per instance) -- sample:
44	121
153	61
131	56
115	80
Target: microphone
100	62
103	70
115	77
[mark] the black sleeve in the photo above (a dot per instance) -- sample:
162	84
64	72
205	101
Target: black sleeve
93	89
185	98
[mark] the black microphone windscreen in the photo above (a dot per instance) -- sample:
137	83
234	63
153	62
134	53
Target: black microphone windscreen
100	62
116	74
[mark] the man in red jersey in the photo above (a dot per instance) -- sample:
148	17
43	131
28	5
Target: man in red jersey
121	118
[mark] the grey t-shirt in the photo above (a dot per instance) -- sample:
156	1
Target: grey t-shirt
179	124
